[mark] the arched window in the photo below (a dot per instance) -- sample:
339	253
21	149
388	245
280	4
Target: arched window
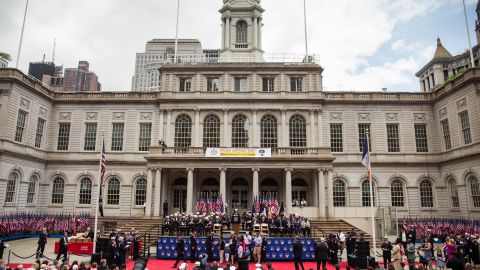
268	132
211	186
58	187
297	131
11	187
85	196
299	189
397	193
211	131
453	192
140	191
426	193
474	190
240	131
339	193
269	185
242	31
366	193
113	191
32	184
183	131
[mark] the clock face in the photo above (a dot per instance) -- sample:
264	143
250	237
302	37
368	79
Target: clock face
242	26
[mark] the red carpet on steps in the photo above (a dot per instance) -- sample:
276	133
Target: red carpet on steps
167	264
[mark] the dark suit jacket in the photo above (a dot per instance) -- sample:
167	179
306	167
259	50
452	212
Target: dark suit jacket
63	244
42	239
297	250
321	251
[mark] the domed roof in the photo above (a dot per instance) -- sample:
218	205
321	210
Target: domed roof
441	52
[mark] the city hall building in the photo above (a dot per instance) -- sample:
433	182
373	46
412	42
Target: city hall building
425	146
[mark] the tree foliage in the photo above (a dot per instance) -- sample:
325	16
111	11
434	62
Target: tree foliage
5	56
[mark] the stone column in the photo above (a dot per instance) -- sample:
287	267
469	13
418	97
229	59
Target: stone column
331	211
255	135
226	130
169	132
160	126
148	199
223	185
196	133
227	41
223	33
284	129
157	194
312	129
321	193
189	190
255	182
259	41
320	129
288	190
255	31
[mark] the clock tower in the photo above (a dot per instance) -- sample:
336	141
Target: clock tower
241	31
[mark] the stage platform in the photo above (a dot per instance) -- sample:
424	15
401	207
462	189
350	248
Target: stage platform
278	248
167	264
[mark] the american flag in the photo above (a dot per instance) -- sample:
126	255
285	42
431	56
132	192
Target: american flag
103	164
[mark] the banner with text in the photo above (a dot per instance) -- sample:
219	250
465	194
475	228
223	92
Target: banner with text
239	152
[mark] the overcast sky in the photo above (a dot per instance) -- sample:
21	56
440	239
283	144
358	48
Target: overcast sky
362	44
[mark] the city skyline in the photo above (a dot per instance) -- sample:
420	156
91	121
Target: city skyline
373	47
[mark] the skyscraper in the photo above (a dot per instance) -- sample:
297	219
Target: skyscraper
81	79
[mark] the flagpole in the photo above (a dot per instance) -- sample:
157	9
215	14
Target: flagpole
372	209
305	24
21	35
176	31
97	206
468	34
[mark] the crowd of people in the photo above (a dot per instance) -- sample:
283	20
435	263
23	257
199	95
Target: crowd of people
56	265
203	224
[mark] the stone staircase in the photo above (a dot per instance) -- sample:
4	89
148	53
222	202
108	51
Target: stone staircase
322	228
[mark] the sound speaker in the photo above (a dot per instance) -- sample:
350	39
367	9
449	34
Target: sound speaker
102	245
96	257
362	249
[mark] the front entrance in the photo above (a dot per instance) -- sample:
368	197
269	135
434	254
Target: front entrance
179	195
239	194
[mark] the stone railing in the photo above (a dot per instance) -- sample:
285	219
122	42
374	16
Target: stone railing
280	152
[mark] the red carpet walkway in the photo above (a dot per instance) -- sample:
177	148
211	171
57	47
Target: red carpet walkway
167	264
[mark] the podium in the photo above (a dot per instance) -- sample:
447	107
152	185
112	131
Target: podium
236	228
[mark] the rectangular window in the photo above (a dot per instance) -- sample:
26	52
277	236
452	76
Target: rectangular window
465	122
90	136
240	84
446	134
145	137
185	84
362	129
21	122
268	85
296	84
393	138
336	137
421	139
117	136
39	132
212	85
31	192
63	136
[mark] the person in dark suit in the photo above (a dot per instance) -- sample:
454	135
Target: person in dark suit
193	247
297	254
63	247
321	254
180	248
42	240
209	247
387	252
2	247
165	209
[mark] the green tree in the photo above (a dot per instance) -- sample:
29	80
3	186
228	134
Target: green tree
5	56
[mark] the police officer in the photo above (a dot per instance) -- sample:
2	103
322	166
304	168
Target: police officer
209	247
387	252
180	248
193	247
42	240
